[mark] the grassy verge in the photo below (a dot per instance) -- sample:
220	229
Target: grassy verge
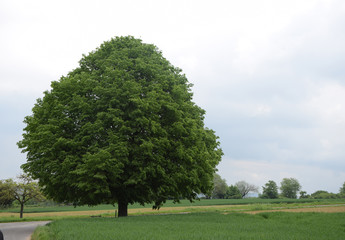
42	233
211	225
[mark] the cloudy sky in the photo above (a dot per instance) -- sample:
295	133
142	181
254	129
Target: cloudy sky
270	74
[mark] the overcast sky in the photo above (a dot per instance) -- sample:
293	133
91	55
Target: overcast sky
270	74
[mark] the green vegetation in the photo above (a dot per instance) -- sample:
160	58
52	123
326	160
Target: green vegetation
323	195
278	226
233	192
342	190
245	188
270	190
42	233
290	187
22	192
219	187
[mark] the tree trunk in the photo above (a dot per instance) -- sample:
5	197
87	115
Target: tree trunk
21	209
123	209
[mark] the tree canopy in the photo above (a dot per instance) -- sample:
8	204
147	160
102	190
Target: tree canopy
25	190
6	196
233	192
290	187
22	191
322	194
121	128
270	190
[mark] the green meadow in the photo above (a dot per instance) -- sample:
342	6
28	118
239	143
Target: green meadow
183	203
38	213
211	225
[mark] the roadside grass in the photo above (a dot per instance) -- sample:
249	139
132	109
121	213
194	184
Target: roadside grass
210	225
41	233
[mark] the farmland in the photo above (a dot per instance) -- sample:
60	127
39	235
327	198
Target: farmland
205	219
34	213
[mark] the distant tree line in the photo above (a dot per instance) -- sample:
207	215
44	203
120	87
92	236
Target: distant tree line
289	188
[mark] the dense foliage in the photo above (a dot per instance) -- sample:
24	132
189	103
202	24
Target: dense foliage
270	190
6	196
121	128
290	187
233	193
320	194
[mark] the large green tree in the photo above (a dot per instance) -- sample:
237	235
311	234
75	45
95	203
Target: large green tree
290	187
121	128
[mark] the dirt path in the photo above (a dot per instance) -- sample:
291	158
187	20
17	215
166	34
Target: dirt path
325	209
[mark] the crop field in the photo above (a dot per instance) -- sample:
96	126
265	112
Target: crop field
219	205
209	225
183	203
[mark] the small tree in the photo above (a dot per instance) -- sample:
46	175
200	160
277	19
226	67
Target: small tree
342	190
290	187
6	196
245	188
233	192
303	194
270	190
24	190
219	187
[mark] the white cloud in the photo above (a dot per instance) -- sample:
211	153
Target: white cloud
328	104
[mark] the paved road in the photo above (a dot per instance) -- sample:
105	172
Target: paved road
19	230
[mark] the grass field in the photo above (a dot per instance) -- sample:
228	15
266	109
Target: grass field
212	225
220	205
183	203
205	219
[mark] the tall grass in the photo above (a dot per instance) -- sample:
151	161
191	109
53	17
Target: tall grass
265	226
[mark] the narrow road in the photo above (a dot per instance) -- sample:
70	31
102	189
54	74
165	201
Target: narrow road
19	230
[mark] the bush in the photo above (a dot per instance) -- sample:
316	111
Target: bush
324	195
